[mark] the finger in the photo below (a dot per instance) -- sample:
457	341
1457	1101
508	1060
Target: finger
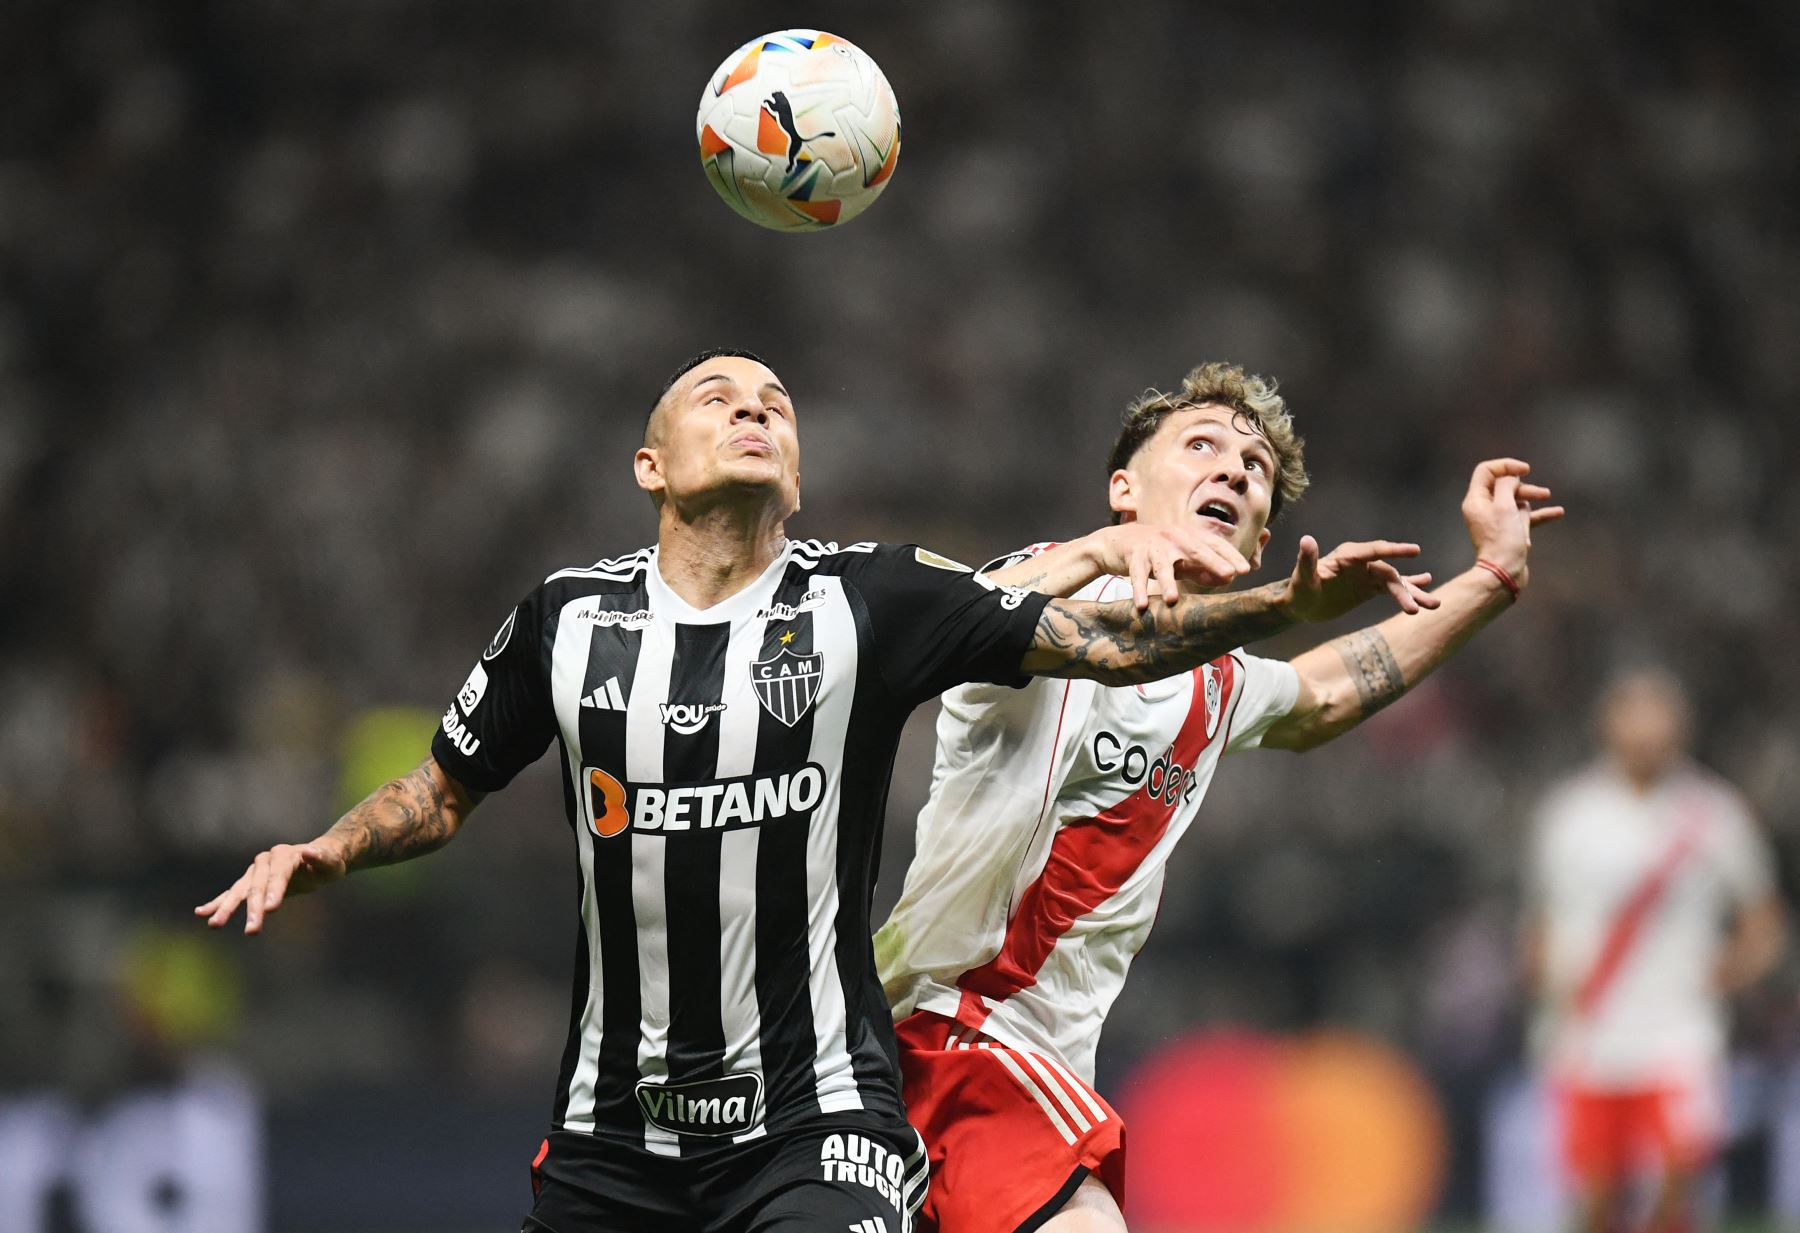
228	903
1209	552
1549	513
253	901
1153	575
1140	576
1207	558
1408	591
1533	492
1236	563
1306	564
1390	578
1165	575
219	910
281	874
1374	549
1506	490
1225	565
1498	467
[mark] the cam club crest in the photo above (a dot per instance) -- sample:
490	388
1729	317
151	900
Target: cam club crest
786	683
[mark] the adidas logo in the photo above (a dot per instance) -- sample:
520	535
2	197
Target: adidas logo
608	697
874	1224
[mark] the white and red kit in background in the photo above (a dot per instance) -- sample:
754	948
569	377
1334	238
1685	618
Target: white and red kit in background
1633	891
1040	863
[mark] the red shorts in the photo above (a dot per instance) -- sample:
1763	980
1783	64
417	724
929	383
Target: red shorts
1608	1135
1009	1134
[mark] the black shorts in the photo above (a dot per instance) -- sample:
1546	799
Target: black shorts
832	1178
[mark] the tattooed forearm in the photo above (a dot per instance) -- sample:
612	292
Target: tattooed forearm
1117	645
1370	662
403	818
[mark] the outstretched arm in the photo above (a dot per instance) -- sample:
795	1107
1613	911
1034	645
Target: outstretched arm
403	818
1115	644
1349	679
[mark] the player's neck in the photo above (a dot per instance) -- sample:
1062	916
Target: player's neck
1645	780
710	557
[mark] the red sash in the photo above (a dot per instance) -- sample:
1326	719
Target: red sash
1628	923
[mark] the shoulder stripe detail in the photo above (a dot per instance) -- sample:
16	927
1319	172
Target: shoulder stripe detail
613	569
813	547
1018	556
811	553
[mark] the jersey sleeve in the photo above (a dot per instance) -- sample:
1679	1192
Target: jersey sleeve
1011	559
1268	691
1745	861
501	720
935	623
1540	863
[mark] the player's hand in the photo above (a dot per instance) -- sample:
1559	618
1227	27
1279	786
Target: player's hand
1158	558
1325	588
1500	512
285	869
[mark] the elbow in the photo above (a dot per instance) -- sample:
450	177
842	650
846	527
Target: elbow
1298	737
1323	716
1303	740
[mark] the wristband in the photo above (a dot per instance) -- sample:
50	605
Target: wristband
1506	580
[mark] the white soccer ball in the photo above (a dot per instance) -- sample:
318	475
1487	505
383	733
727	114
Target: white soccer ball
798	130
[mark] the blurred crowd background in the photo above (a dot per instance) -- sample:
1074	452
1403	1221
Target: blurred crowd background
327	330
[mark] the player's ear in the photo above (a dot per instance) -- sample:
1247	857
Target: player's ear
646	465
1262	541
1121	495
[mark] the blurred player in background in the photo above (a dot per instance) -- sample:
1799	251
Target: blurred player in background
1652	899
728	704
1041	853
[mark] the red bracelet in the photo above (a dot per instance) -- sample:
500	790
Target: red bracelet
1506	580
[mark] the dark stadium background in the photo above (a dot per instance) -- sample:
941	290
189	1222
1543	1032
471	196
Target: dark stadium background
326	330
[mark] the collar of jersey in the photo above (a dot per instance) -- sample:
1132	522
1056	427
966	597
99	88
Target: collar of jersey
665	603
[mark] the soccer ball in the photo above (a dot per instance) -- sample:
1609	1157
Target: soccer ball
798	130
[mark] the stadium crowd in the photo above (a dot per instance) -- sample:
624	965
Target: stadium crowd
327	330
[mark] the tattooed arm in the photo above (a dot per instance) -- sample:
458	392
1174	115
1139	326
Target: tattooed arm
1349	679
1115	644
406	817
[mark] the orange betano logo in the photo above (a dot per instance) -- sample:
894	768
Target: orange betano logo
606	804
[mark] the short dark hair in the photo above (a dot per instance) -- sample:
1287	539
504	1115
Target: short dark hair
687	366
694	361
1225	385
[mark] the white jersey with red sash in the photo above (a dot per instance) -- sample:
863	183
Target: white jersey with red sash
1042	850
1634	891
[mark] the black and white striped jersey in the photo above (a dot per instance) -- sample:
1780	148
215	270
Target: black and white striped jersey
725	773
